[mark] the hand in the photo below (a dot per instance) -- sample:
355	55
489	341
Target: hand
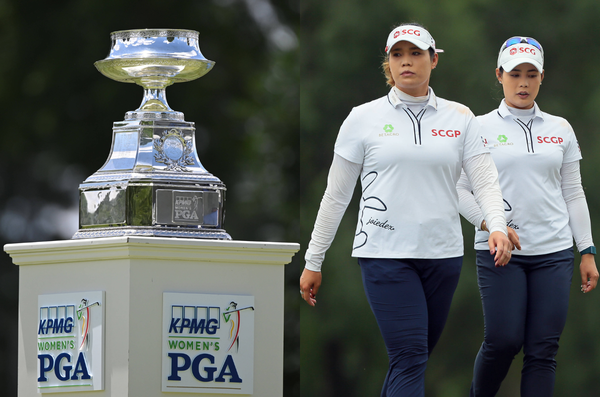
501	247
309	286
513	237
589	273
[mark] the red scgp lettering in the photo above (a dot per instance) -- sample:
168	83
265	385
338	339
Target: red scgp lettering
550	139
411	31
527	50
445	133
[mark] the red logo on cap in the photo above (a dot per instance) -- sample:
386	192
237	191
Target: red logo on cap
522	50
407	31
411	31
527	50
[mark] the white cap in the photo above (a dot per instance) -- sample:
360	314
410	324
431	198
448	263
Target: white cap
415	34
522	52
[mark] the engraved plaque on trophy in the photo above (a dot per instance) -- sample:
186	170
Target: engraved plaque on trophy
153	183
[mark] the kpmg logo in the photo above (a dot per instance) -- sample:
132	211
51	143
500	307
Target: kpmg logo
185	206
56	320
66	359
194	320
208	343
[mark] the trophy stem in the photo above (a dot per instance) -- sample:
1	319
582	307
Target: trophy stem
155	100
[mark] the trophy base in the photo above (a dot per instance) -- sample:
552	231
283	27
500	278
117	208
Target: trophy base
152	184
150	231
151	208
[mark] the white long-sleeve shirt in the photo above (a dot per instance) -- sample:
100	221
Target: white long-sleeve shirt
409	161
537	157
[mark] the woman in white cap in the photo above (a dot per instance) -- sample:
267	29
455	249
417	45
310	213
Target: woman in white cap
408	148
537	155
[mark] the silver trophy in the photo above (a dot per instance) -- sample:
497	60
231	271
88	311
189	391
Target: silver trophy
153	183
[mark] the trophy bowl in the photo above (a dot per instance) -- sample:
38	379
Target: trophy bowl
154	59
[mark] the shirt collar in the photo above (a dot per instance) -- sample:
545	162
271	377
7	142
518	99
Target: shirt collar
504	112
395	101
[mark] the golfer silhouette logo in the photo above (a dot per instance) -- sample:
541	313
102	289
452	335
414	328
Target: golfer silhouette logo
232	315
83	318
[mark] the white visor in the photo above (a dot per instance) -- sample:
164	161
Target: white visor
412	33
512	56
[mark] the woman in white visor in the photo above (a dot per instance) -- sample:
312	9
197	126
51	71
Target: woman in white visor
537	156
408	148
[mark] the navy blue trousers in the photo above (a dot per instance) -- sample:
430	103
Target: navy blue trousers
410	299
525	306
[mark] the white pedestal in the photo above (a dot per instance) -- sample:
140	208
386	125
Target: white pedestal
134	272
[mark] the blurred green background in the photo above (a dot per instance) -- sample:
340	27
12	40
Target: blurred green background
287	74
58	110
342	45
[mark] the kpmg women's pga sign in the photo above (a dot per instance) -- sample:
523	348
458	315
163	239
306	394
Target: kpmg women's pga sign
70	342
208	343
